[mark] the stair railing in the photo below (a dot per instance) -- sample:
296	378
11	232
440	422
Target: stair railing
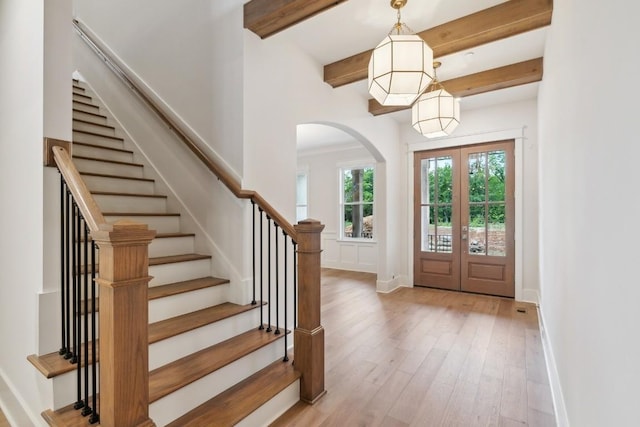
115	393
301	240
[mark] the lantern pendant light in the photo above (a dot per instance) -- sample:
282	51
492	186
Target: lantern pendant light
436	112
400	67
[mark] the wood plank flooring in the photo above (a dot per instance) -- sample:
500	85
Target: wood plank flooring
425	357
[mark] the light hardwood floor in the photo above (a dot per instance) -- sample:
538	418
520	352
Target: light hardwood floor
425	357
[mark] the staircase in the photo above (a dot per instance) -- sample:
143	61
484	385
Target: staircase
209	362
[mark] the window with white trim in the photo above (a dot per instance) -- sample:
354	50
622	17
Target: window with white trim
356	204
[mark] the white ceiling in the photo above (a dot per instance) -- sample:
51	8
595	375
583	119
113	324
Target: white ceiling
358	25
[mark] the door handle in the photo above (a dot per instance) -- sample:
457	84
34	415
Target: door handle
464	236
464	232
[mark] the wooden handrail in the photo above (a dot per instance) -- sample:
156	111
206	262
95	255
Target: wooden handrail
225	177
85	201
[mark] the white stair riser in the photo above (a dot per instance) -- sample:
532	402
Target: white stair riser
82	106
101	153
130	186
133	204
175	305
278	405
179	271
82	98
64	389
176	404
174	348
98	140
108	168
172	246
162	224
90	127
82	115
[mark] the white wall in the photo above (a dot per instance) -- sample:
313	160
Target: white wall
189	53
323	198
283	88
29	110
517	121
589	210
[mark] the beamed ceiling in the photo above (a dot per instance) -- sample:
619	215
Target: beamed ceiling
485	46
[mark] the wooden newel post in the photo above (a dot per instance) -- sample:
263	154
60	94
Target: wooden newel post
309	335
124	337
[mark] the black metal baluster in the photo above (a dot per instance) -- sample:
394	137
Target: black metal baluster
286	271
70	271
94	418
87	409
253	252
277	332
269	273
74	283
261	272
63	267
77	311
295	285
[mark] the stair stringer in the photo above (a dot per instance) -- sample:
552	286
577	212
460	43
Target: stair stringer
240	289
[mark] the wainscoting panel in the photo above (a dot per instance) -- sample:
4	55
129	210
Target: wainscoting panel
348	255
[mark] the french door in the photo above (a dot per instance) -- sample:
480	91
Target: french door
464	219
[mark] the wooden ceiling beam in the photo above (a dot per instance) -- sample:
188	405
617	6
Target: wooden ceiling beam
484	81
495	23
267	17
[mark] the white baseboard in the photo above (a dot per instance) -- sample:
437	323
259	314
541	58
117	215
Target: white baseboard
562	419
387	286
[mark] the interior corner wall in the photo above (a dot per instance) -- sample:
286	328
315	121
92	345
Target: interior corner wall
21	218
589	212
279	73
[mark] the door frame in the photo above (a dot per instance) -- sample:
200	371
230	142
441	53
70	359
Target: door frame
517	135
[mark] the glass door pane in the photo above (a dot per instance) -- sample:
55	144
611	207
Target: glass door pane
487	208
436	204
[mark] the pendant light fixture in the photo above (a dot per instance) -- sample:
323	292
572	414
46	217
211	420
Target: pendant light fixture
400	66
436	112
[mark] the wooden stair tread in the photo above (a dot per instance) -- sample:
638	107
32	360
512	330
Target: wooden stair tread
170	235
170	259
120	150
76	110
117	138
66	417
162	291
88	104
173	326
96	159
179	373
113	193
234	404
104	175
84	96
94	124
52	364
139	214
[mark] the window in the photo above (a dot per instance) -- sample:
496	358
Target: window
301	196
357	202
